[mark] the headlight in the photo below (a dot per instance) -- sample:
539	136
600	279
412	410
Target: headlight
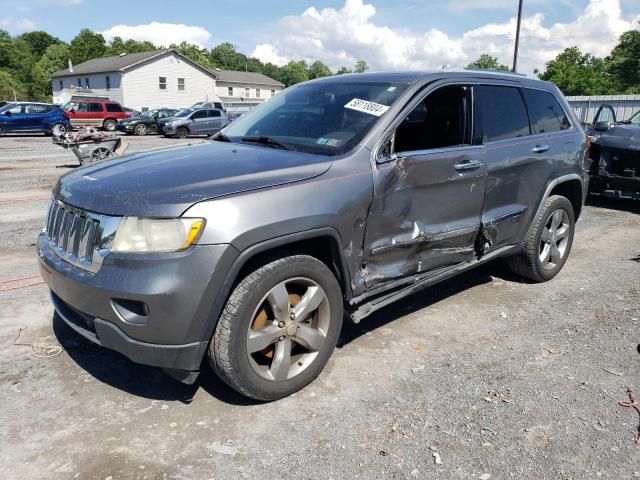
156	235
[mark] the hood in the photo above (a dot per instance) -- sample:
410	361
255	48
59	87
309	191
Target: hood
620	135
165	183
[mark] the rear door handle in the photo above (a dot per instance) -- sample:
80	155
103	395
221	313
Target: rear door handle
540	148
467	165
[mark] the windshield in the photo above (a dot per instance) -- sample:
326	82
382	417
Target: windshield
327	117
184	113
149	114
6	107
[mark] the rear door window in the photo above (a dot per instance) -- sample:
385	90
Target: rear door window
503	114
214	113
546	113
113	107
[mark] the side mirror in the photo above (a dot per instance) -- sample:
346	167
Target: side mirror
602	126
7	113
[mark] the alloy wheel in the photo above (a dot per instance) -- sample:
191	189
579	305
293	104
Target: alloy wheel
554	239
288	329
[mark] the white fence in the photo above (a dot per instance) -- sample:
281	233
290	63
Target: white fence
585	108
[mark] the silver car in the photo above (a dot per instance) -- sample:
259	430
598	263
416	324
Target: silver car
200	121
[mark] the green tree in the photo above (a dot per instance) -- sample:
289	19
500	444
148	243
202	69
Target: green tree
319	70
294	72
225	57
487	62
11	88
624	62
39	41
55	58
86	46
577	73
195	53
6	49
361	66
343	70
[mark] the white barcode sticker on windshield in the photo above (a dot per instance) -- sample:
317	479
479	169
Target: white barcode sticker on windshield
365	106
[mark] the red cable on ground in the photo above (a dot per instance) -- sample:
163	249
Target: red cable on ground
22	286
18	279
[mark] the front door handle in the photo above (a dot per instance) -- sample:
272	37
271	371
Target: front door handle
467	165
540	148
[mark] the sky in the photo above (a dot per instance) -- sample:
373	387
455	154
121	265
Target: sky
388	34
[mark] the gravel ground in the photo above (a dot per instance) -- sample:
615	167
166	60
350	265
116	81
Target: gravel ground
484	376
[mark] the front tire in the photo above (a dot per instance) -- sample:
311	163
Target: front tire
141	129
182	132
58	129
278	328
548	243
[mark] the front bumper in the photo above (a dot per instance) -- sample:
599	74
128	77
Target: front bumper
177	291
125	128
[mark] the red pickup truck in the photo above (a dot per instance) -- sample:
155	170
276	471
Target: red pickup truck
95	113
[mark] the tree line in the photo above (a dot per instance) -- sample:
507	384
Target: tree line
28	60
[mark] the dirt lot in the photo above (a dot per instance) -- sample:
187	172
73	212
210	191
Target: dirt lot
481	377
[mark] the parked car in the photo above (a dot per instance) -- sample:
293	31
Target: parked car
199	121
337	197
217	105
95	113
615	151
33	117
145	123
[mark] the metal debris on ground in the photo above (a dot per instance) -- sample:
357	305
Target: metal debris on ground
38	349
632	403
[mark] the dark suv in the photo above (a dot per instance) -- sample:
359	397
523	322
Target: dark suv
335	198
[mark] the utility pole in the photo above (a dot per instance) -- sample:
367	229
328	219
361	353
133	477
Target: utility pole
515	50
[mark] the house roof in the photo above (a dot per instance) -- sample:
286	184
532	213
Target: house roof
120	63
233	76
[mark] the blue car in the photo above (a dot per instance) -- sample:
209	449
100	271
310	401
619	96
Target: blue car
33	117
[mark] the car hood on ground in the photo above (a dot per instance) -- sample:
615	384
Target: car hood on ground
618	136
165	183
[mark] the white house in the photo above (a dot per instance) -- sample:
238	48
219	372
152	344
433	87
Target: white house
162	78
241	91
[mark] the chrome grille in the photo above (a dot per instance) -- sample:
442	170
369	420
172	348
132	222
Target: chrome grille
77	236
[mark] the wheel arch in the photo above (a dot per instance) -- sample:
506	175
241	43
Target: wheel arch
569	186
322	243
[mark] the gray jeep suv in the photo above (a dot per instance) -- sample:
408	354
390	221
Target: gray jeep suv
333	199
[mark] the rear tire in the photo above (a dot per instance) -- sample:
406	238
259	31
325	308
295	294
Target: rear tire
548	243
109	125
58	129
182	132
260	348
1	130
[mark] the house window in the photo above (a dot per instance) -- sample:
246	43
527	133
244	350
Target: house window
80	82
86	82
257	93
162	82
181	84
247	92
230	91
107	80
273	92
60	83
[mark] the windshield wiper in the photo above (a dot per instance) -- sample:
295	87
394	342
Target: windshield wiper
271	142
220	137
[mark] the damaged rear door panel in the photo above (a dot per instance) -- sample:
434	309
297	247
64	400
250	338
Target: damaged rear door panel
429	188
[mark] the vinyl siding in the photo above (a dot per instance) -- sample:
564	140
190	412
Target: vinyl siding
141	84
222	89
97	82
